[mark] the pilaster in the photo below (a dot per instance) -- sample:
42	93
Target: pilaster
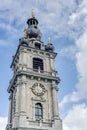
55	100
22	96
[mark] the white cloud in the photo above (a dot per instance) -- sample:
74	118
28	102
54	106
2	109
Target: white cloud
78	19
72	97
51	15
81	58
76	118
54	17
3	122
64	101
80	91
68	51
8	28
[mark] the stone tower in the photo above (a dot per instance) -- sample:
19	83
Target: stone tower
33	101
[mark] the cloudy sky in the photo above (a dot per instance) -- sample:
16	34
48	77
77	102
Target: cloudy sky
65	21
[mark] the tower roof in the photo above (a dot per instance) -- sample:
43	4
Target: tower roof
32	20
33	31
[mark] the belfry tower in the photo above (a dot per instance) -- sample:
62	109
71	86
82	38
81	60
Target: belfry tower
33	101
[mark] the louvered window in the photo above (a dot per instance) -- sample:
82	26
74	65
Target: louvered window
38	64
37	46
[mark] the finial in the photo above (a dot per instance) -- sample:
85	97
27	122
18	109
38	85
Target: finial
33	13
49	40
25	33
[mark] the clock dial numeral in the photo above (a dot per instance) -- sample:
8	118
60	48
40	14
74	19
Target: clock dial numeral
38	89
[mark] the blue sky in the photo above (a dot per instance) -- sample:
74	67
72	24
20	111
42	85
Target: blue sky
66	23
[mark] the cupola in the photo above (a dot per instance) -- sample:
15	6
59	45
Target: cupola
33	31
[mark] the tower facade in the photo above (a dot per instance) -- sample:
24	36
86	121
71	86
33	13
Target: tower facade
33	101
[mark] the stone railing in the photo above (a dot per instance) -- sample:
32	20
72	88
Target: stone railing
36	71
40	123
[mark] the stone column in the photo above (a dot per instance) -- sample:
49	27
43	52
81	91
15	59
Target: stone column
9	125
10	110
52	63
47	64
22	120
22	104
17	105
20	57
24	57
55	101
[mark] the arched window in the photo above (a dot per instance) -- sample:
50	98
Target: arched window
38	64
38	111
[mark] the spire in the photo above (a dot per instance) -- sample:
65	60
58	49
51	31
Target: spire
33	30
49	40
32	20
33	15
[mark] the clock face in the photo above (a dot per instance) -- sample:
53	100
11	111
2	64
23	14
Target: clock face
38	89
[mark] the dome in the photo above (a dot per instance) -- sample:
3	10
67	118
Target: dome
33	31
23	41
49	47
